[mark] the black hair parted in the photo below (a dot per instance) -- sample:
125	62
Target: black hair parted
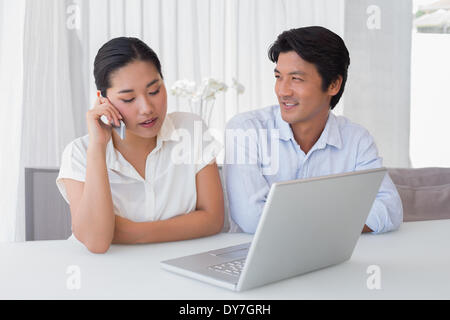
319	46
117	53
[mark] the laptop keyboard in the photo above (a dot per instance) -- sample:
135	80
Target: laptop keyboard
233	268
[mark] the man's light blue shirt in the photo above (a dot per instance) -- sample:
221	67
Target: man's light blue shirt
342	147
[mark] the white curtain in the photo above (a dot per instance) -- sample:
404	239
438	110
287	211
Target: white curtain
193	38
52	92
11	49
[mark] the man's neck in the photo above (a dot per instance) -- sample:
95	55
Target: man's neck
307	133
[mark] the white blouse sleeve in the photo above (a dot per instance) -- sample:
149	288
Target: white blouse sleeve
73	166
208	148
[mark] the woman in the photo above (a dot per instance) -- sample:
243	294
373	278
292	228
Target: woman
132	190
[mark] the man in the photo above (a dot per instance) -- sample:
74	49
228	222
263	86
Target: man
310	141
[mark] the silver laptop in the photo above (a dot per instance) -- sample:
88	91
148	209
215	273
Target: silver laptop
306	225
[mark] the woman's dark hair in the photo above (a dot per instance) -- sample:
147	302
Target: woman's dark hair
319	46
117	53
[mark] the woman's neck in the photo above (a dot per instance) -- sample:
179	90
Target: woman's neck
133	143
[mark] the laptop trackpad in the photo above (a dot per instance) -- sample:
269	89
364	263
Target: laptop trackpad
233	254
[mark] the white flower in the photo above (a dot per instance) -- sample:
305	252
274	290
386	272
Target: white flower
206	91
238	86
209	88
183	88
201	98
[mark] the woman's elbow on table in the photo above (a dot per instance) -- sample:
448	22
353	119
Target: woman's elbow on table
98	248
94	246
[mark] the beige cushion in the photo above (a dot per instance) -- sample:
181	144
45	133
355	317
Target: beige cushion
425	192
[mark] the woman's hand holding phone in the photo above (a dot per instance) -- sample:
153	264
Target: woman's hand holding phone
99	132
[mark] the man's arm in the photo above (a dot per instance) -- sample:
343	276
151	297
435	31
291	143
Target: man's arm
246	187
386	213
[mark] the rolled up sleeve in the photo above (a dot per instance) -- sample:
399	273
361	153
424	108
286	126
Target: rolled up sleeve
386	213
246	187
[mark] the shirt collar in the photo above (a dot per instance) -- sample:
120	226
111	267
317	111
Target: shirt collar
283	127
330	134
166	133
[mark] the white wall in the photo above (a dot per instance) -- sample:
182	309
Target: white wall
430	100
378	36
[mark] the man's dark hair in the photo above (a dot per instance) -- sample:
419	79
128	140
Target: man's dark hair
117	53
319	46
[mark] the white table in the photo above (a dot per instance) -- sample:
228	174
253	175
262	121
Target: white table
414	263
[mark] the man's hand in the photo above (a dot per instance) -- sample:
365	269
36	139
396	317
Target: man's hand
366	229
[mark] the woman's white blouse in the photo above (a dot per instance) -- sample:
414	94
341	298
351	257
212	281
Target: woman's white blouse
183	148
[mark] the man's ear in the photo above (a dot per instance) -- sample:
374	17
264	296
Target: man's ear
335	86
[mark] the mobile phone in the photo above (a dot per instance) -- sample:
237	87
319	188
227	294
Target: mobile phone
119	129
